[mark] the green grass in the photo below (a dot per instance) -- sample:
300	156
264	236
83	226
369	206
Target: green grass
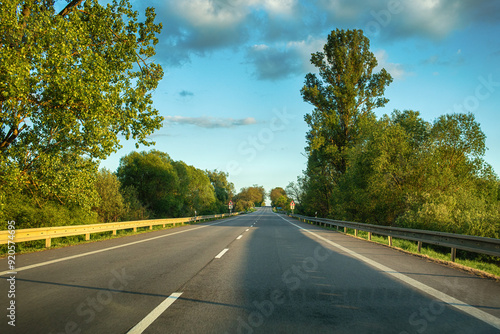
430	251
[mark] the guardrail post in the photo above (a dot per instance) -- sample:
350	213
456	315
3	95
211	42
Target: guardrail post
390	240
135	229
87	236
345	229
355	233
419	246
370	236
47	242
114	232
150	227
453	254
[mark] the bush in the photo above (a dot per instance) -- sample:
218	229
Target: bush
28	214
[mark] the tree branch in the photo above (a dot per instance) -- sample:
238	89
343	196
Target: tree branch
69	7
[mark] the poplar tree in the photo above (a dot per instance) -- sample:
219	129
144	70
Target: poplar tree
345	92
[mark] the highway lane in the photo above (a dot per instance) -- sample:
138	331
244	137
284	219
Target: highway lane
274	277
277	279
104	292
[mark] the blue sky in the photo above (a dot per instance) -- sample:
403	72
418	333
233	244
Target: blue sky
234	69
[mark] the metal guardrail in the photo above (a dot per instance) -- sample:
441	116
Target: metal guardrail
47	233
489	246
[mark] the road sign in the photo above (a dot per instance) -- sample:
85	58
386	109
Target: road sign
230	205
292	205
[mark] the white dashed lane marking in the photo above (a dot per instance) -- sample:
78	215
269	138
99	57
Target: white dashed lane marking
222	253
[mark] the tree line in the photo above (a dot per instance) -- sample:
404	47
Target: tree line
147	184
398	169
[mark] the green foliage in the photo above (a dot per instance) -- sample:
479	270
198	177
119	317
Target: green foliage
59	191
396	170
224	190
134	210
166	188
75	81
344	95
279	198
410	173
195	190
253	196
294	190
155	179
243	205
317	186
70	84
111	206
27	214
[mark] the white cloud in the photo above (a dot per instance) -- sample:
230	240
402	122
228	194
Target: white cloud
210	13
280	7
343	11
274	63
210	122
305	48
279	62
396	70
294	27
431	19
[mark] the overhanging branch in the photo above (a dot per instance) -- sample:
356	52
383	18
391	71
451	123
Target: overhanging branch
70	7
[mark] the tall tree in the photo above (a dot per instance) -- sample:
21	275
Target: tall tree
255	195
295	190
344	96
111	206
224	190
155	179
345	93
195	190
278	196
70	83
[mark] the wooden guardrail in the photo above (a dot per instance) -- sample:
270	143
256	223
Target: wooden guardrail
489	246
47	233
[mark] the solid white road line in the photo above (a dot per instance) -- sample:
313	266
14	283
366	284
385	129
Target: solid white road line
458	304
107	249
153	315
222	253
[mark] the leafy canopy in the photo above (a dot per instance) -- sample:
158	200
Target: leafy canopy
345	92
254	195
70	84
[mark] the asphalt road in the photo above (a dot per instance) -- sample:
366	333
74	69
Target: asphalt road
256	273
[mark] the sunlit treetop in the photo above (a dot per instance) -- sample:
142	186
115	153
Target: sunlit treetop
71	82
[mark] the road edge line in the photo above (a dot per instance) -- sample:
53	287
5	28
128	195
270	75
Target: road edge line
451	301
